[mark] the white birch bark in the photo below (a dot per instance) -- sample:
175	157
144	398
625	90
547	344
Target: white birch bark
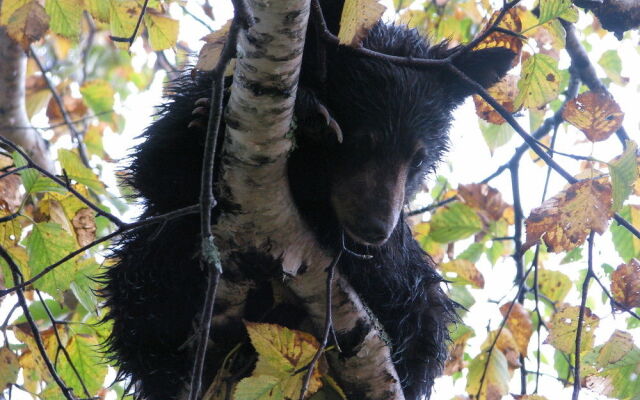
14	122
254	177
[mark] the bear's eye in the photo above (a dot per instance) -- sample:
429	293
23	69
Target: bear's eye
418	158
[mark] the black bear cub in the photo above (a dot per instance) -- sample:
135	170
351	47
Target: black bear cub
366	135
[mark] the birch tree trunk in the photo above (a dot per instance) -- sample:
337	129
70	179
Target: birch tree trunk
14	122
254	178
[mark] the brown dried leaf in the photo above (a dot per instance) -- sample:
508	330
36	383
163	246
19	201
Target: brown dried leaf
506	343
28	24
564	325
358	16
84	224
625	284
511	22
210	52
10	197
519	323
505	93
485	199
455	362
565	220
594	113
74	107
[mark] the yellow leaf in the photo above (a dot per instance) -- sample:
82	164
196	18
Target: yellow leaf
358	16
496	379
596	114
28	24
163	31
9	367
8	8
619	344
519	323
123	16
553	284
465	272
282	352
565	220
564	325
511	21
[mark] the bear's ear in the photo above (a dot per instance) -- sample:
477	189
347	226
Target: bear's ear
486	67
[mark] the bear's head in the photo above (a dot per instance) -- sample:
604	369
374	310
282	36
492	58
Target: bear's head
394	121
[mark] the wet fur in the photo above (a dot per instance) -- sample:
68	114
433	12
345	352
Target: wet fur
155	290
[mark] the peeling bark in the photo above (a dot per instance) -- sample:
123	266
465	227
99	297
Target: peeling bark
14	122
257	143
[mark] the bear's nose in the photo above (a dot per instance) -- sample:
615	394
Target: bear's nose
373	231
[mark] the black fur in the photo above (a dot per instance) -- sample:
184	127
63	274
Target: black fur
386	112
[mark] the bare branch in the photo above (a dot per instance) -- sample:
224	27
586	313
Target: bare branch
77	136
132	38
583	305
17	278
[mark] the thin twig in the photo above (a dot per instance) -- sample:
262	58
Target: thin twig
489	351
77	136
328	325
66	185
583	306
243	19
517	255
17	278
432	206
125	228
131	38
61	346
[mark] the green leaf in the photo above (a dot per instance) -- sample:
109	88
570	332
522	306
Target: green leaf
612	64
47	244
456	222
539	81
66	17
495	251
99	9
625	242
38	311
261	387
473	252
624	172
32	180
163	31
88	361
615	379
550	9
495	135
560	364
99	95
462	296
84	287
571	256
75	170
